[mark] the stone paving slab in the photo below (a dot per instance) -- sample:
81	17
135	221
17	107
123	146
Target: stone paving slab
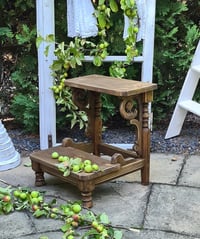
22	175
43	225
190	175
50	235
174	209
164	168
15	225
153	234
124	202
166	209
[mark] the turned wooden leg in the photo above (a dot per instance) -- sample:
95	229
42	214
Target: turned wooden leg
39	179
87	199
145	171
39	174
86	188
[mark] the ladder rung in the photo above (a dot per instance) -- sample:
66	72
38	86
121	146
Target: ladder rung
196	68
190	106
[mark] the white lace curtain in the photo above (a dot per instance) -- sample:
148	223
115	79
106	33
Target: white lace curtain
81	21
141	9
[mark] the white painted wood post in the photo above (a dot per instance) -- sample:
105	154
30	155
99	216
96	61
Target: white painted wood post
47	115
148	42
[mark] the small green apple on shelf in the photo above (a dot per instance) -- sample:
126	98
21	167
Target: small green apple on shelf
68	164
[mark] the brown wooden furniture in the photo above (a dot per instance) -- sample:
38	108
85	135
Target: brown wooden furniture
135	97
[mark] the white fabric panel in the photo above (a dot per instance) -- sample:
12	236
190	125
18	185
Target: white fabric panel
80	19
141	9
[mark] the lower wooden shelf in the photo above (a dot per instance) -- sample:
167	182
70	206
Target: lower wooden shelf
115	166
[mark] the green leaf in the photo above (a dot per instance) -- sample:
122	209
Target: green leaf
81	124
118	234
101	20
73	63
28	164
56	66
73	122
78	61
104	218
46	51
113	6
5	191
66	173
77	161
97	61
5	31
8	208
39	40
43	237
65	227
101	2
91	232
39	213
50	38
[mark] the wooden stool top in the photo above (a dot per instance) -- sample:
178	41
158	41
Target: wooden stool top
110	85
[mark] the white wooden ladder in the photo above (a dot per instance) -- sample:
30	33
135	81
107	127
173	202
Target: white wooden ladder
185	101
46	26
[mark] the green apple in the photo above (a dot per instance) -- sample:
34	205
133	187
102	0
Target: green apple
34	194
70	237
95	224
61	158
40	199
65	158
88	168
55	155
16	193
87	161
95	167
76	168
23	195
76	208
35	200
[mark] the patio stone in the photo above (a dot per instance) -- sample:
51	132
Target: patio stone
174	210
126	202
165	168
191	172
168	208
153	234
15	225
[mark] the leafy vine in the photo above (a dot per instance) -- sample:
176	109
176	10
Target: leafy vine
72	55
78	222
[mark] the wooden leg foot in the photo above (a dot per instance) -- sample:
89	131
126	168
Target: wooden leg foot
39	179
145	176
87	199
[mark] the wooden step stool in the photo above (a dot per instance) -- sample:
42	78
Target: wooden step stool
86	91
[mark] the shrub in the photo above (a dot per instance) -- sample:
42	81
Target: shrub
176	38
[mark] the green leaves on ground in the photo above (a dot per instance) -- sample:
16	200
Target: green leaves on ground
77	222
